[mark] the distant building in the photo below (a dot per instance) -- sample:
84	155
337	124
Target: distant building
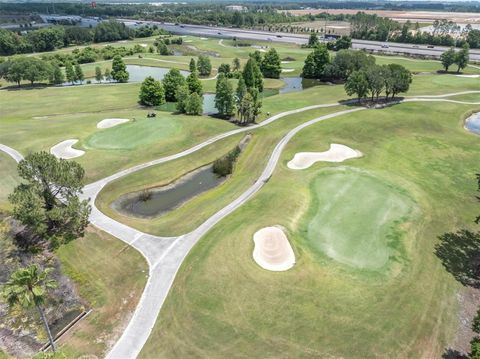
236	8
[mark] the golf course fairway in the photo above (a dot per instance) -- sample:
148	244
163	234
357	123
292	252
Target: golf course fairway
134	134
355	218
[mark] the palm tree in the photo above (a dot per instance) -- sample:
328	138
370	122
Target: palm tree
28	287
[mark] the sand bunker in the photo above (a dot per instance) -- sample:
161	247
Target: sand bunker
336	153
272	250
203	38
469	76
111	122
285	62
288	70
143	45
187	41
64	150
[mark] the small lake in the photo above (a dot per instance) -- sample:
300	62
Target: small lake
295	84
139	73
166	198
472	123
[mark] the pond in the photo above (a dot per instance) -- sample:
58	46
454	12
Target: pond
472	123
166	198
139	73
295	84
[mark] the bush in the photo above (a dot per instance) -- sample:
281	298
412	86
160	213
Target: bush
224	166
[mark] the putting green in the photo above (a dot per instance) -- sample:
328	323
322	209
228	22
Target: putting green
355	218
133	134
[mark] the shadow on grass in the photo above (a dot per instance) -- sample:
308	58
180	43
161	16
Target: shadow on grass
460	255
453	354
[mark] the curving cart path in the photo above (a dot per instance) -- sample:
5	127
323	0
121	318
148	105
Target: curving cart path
165	254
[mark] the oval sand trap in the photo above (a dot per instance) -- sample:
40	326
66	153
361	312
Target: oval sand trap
64	150
469	76
272	250
288	70
336	153
110	122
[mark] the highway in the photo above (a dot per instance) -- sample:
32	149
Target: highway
228	33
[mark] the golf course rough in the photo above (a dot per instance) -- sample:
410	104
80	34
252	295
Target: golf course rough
133	134
356	218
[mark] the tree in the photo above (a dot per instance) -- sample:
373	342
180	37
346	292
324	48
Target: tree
313	40
194	84
345	62
112	30
36	70
57	76
343	43
70	72
376	80
98	74
316	62
473	38
257	56
151	92
448	58
224	99
192	65
271	64
171	82
236	64
252	75
47	201
249	107
400	79
204	66
357	84
28	287
241	90
79	73
462	57
108	75
119	70
162	48
194	104
224	69
182	95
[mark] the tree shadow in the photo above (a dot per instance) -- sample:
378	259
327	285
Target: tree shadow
460	255
453	354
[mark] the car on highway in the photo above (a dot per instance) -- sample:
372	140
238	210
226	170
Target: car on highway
415	46
219	33
430	46
279	35
385	46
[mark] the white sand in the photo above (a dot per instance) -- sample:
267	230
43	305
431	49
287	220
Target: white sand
285	62
64	150
336	153
188	41
288	70
469	76
110	122
262	50
272	249
203	38
143	45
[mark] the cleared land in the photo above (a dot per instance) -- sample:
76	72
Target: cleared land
413	16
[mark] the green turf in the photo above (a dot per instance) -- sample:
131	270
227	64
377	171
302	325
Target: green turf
8	179
230	307
138	132
355	218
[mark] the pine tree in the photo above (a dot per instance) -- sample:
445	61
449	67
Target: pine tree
151	92
194	104
119	70
57	76
204	66
224	99
79	73
271	64
194	84
172	80
70	72
98	74
192	66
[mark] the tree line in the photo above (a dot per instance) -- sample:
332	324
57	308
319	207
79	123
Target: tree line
358	71
56	37
32	69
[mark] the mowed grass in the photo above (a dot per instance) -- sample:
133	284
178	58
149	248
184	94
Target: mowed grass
206	204
110	276
134	133
222	304
8	180
356	218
